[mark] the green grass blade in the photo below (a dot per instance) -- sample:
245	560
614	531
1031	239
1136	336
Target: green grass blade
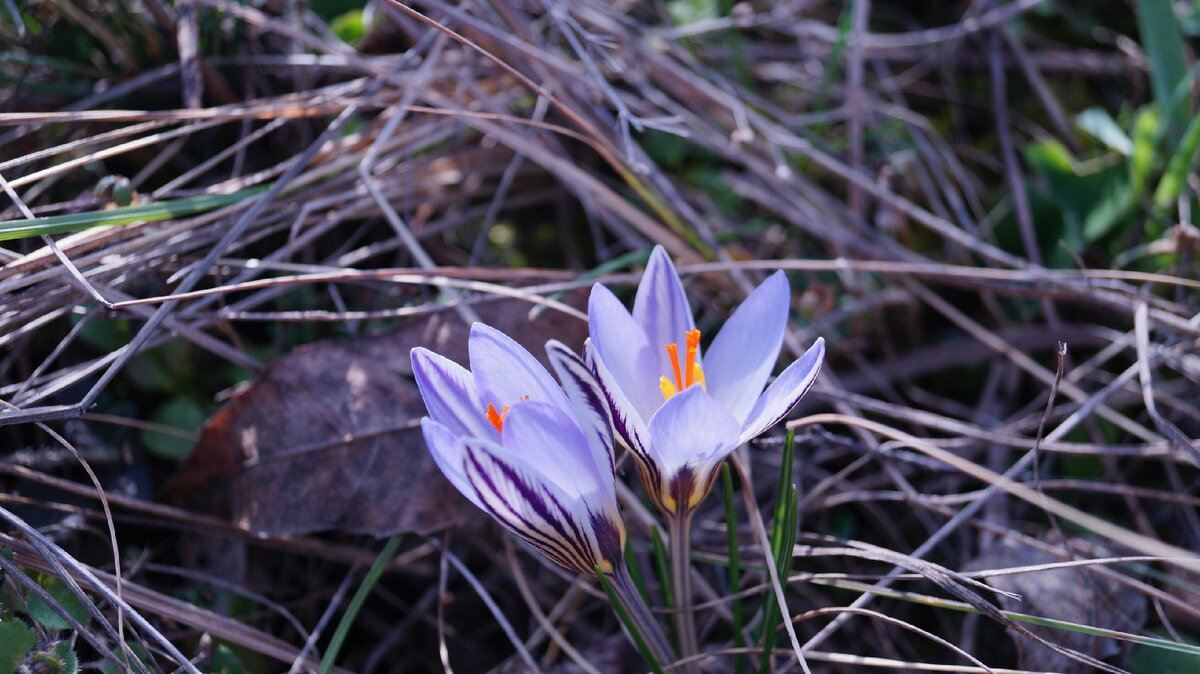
639	639
780	548
937	602
356	603
1178	167
1163	41
735	569
833	65
635	572
163	210
662	569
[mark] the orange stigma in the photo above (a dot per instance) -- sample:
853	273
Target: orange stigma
690	374
497	418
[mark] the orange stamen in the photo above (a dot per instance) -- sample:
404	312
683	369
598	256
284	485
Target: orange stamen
689	363
497	418
673	352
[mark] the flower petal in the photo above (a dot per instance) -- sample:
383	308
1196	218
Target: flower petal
661	308
739	361
557	525
550	440
689	436
783	393
449	393
691	428
448	453
591	407
506	373
627	422
626	352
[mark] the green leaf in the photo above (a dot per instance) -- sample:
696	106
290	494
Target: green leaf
225	661
1141	161
1094	197
58	660
1163	42
1176	173
350	27
165	210
16	640
62	593
1100	125
182	413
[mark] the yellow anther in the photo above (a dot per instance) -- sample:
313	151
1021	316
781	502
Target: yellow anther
690	373
668	389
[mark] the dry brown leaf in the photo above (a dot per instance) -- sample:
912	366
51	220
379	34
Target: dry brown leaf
1072	594
327	438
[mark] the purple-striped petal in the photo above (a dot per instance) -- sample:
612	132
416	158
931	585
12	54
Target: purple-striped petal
691	427
661	308
783	393
739	361
505	373
448	453
626	352
591	407
449	393
545	437
559	526
626	421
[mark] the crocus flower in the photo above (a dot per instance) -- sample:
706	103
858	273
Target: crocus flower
536	459
680	411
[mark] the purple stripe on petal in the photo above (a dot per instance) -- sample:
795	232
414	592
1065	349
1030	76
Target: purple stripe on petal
448	453
449	393
783	393
739	361
626	351
661	308
626	421
505	372
591	407
691	428
545	437
533	509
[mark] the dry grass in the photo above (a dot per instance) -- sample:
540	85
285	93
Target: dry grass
505	148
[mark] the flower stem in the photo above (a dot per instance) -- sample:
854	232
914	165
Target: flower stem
679	531
633	608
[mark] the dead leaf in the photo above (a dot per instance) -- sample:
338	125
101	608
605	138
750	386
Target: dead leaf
327	437
1072	594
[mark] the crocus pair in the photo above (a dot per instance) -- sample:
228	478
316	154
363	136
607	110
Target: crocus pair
540	460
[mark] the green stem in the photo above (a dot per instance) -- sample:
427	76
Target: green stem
645	631
679	531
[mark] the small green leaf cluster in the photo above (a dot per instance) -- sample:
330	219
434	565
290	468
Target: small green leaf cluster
36	636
